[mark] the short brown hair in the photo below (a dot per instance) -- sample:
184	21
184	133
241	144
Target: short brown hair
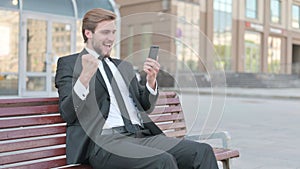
93	17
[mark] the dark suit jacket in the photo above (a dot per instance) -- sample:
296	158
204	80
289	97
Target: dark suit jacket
85	118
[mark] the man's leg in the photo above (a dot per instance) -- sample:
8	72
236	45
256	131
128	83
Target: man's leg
188	154
126	153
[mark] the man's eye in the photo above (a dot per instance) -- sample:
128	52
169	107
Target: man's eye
105	32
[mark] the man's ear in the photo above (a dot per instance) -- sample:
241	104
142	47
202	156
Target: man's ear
88	33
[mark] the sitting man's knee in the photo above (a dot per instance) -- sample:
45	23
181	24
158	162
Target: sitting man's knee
168	161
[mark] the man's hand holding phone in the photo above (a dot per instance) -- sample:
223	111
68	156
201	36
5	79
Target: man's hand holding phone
151	66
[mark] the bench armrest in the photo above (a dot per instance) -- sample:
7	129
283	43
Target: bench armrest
223	135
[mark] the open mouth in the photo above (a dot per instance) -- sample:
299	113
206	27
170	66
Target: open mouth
107	45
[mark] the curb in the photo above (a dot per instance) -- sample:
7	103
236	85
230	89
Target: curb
237	93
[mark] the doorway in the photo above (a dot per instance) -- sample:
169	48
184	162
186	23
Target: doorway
45	40
296	59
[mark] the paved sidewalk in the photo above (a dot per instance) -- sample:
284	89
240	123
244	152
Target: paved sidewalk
263	123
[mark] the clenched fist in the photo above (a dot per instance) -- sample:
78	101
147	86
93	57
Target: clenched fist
89	68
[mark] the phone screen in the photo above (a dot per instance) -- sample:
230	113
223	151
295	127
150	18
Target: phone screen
153	52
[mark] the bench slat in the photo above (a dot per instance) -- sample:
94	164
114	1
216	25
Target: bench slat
222	154
166	118
31	132
167	101
28	144
38	120
7	102
32	110
175	125
43	165
178	134
163	110
82	166
21	157
167	94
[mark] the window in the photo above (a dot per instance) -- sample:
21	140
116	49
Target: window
9	52
79	39
147	35
275	8
274	53
222	32
252	52
187	44
251	9
295	16
130	42
62	31
36	45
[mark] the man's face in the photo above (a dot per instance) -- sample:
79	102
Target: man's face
103	38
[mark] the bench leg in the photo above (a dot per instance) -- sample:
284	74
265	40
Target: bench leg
225	164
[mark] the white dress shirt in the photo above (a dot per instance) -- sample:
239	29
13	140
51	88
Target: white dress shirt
114	118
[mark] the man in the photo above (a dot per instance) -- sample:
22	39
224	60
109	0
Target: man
107	122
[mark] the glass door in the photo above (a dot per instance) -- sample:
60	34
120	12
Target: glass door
46	39
252	60
61	38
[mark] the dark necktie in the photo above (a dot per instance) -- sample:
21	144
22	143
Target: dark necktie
124	112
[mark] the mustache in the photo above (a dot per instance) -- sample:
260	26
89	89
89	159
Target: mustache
109	41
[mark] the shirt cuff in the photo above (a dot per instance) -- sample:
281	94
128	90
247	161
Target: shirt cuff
80	90
153	92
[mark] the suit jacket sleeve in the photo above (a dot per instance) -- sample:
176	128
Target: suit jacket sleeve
69	102
148	100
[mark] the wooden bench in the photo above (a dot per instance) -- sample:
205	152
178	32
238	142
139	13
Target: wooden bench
32	133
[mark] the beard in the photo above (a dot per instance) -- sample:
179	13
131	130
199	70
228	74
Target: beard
99	51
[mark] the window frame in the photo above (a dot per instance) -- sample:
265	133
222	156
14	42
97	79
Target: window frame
279	12
255	10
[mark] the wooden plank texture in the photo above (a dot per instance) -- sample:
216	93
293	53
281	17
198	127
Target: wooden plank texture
18	134
43	164
7	158
25	132
29	121
163	110
167	101
165	118
32	143
222	154
30	101
28	110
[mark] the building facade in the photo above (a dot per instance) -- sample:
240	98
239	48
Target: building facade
248	36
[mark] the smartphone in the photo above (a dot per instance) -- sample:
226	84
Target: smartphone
153	52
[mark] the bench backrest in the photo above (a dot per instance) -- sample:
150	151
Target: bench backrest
168	115
32	133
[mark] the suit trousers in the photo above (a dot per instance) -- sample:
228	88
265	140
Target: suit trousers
125	151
